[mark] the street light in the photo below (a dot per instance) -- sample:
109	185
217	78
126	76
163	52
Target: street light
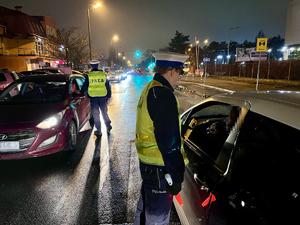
197	48
229	42
112	55
89	26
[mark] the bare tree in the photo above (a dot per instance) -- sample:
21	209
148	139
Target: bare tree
72	47
80	53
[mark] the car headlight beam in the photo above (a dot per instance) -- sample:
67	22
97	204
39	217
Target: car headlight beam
51	121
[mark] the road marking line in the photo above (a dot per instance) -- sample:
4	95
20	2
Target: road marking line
221	89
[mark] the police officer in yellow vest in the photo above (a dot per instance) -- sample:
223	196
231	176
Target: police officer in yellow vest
99	92
158	141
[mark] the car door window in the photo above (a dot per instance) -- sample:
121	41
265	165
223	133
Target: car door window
2	77
208	127
80	82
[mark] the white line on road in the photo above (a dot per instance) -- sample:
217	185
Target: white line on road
221	89
209	86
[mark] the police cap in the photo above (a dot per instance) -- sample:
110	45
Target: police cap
170	59
94	62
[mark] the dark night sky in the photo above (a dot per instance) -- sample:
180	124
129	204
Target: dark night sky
150	24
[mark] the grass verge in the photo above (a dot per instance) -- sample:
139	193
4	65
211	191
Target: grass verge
287	83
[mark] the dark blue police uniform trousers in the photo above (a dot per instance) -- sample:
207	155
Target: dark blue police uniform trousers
155	202
96	103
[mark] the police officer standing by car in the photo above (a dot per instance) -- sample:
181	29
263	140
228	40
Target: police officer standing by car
99	92
158	141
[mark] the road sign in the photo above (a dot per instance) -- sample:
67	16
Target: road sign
261	44
206	59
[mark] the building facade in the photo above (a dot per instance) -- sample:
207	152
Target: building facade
26	42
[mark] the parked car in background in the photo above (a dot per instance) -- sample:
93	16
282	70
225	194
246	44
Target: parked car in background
7	77
244	159
107	69
76	72
122	74
114	76
49	70
41	115
35	72
139	72
64	70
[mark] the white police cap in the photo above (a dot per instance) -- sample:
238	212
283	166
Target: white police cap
170	59
94	62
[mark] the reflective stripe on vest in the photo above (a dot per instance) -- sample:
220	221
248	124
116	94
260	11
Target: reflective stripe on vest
145	141
97	86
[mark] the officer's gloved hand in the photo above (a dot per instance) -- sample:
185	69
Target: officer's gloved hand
174	189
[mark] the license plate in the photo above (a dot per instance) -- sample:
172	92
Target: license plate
7	145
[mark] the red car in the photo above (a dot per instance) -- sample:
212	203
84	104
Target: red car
7	77
140	72
42	116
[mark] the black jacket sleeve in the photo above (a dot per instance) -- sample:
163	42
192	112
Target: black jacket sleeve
162	108
85	85
108	88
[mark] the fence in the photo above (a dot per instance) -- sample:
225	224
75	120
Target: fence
284	70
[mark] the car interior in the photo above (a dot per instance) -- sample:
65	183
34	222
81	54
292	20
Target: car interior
208	128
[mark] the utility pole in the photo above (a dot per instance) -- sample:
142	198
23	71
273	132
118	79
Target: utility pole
228	56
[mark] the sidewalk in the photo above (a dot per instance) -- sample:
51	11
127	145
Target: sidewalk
232	85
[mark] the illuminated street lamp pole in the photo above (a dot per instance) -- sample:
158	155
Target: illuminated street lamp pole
89	26
205	42
112	55
197	48
228	56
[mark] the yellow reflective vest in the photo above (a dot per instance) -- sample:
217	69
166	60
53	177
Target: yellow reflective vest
145	142
97	86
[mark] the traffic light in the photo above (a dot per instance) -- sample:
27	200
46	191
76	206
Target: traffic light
137	54
151	65
123	54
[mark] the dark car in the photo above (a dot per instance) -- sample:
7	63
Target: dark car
35	72
7	77
49	70
41	115
244	155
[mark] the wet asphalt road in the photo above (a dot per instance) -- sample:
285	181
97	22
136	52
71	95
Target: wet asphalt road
98	183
